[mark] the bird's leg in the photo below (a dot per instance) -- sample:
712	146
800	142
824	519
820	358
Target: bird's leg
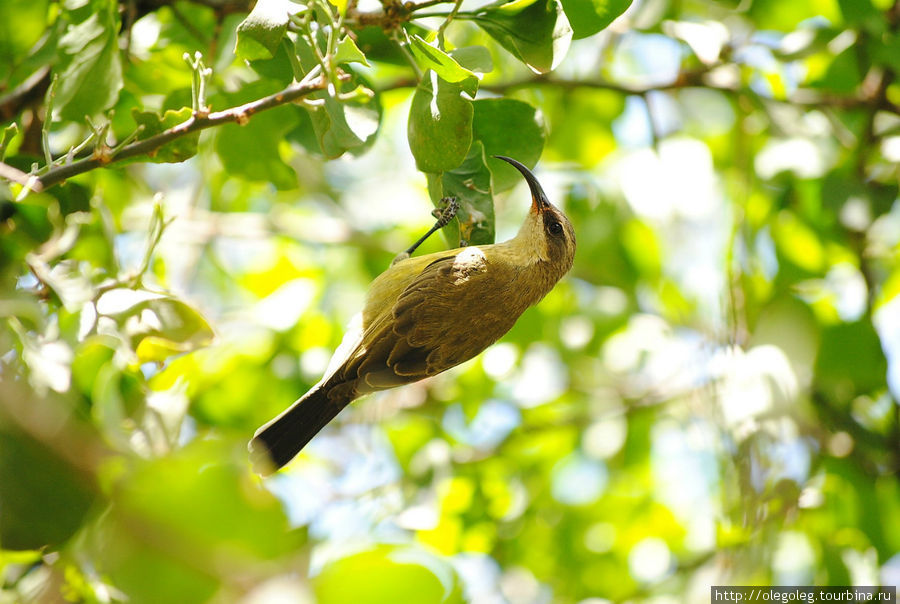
444	214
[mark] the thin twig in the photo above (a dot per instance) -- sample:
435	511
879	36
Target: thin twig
691	79
8	133
17	176
427	4
158	225
240	114
403	45
48	120
443	27
430	15
802	97
655	132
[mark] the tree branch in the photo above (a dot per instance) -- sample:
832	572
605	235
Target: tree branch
426	4
391	15
803	97
690	79
240	114
443	27
17	176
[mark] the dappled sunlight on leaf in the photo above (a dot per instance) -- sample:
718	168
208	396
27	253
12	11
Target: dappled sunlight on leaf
385	573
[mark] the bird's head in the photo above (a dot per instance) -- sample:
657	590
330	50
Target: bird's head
546	231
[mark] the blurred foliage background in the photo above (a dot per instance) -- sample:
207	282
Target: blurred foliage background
710	397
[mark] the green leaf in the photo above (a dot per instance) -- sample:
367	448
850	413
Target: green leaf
71	285
304	133
179	149
570	111
587	17
252	150
340	5
843	75
474	58
379	46
178	32
843	187
844	376
537	32
117	396
786	16
349	52
431	57
31	221
389	574
886	50
440	125
470	183
158	326
95	352
198	489
180	329
508	127
90	69
170	534
279	67
21	24
862	12
642	247
347	126
798	243
338	126
43	499
16	69
259	35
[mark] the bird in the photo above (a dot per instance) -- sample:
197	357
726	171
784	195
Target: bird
424	315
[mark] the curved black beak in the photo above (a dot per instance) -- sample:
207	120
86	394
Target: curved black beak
539	201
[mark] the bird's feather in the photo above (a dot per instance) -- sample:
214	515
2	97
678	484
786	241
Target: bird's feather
278	441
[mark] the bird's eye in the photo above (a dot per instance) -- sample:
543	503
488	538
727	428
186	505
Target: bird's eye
555	228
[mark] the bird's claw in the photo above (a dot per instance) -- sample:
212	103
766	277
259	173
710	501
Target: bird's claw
447	211
450	206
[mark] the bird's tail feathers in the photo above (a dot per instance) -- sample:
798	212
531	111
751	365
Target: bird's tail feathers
277	442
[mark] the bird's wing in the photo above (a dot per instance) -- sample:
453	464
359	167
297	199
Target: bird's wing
454	308
451	311
388	285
